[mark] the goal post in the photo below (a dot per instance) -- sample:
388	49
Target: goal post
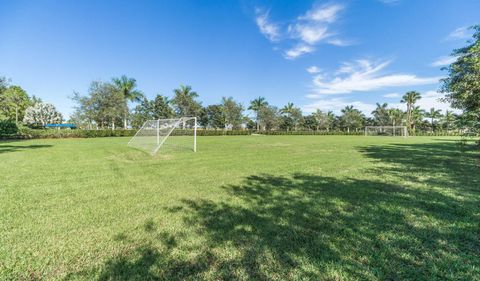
154	134
394	131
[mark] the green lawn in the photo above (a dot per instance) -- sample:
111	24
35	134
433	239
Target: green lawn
242	207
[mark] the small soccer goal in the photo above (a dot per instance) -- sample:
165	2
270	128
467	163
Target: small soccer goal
393	131
168	134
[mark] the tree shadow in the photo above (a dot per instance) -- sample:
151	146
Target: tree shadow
5	148
309	227
441	164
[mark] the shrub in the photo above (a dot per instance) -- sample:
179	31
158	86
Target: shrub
8	127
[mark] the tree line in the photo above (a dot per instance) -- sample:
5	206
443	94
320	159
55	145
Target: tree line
109	105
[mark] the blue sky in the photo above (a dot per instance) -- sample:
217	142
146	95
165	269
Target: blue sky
317	54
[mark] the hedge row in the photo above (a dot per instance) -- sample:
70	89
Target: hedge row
27	133
201	132
323	133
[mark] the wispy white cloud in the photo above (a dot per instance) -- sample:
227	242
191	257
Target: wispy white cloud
298	50
364	75
309	33
340	42
459	33
392	95
269	29
313	69
390	2
323	13
306	31
443	61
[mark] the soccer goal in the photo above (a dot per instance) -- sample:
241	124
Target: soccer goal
394	131
174	133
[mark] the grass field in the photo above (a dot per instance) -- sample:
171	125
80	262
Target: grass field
241	208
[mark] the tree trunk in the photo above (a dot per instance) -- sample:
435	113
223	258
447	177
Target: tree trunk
113	124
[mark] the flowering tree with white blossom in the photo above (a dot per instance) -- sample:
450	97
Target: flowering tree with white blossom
42	114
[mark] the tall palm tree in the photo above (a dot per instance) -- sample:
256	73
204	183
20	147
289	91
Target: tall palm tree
184	101
410	98
288	110
448	118
331	119
255	106
417	116
396	116
433	114
352	117
126	86
381	113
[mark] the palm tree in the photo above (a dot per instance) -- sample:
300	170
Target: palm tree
288	110
381	113
417	116
433	114
352	117
255	106
324	120
410	98
126	86
184	101
448	118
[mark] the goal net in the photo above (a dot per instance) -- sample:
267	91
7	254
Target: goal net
394	131
168	134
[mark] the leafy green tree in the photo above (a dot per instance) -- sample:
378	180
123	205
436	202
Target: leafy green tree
410	98
203	118
161	108
449	119
42	114
352	118
293	115
127	88
215	116
185	103
324	120
433	114
142	112
380	114
417	117
395	116
310	122
232	112
104	105
13	103
462	85
256	105
269	117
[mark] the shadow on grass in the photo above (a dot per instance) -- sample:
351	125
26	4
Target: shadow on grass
5	148
310	227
